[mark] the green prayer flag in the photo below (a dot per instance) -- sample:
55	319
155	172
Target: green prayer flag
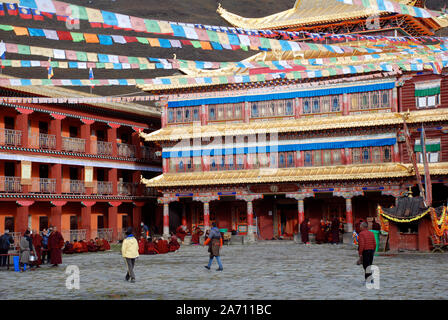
22	49
132	60
183	81
77	37
265	43
78	12
142	40
100	65
196	44
81	56
152	26
429	148
5	27
213	36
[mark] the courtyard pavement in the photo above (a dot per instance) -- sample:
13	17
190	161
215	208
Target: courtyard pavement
277	270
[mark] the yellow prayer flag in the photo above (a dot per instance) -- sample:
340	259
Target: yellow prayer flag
223	38
20	31
142	60
63	64
108	65
92	57
94	15
275	44
39	51
165	27
16	63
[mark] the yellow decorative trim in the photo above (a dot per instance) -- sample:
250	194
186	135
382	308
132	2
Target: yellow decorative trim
404	220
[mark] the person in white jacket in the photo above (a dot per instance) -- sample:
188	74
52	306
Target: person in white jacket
129	251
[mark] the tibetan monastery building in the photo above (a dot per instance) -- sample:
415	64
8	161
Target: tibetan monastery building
259	156
76	166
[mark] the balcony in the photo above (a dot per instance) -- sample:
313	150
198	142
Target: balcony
102	148
73	186
127	188
10	184
149	153
73	145
43	185
42	141
126	150
10	137
150	192
102	187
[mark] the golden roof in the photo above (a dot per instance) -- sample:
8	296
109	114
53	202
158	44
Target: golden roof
61	92
305	12
303	174
304	124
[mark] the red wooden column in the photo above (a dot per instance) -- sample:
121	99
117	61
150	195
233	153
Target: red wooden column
165	200
136	179
136	141
22	124
112	137
86	214
56	173
86	133
56	129
21	223
205	199
349	214
300	197
113	177
113	218
184	214
137	216
56	214
252	229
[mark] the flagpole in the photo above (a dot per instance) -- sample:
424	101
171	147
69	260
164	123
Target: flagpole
428	185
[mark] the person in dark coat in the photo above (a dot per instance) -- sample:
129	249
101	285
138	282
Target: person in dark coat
68	248
5	244
335	230
37	244
55	245
173	245
214	242
26	248
304	231
320	234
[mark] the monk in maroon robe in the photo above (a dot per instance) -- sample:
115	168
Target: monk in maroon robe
335	230
37	244
77	247
84	247
68	249
304	231
91	246
151	247
320	234
181	232
173	245
106	245
196	234
99	244
55	244
142	246
162	246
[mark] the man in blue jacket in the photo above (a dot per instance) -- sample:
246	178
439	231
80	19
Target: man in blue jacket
5	243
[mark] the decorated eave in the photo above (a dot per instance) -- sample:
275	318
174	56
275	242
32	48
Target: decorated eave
61	92
311	12
302	174
305	124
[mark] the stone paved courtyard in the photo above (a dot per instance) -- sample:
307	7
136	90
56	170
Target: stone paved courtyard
276	270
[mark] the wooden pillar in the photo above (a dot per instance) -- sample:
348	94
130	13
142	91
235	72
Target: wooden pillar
113	218
206	216
56	129
56	214
86	213
112	137
136	179
349	214
184	214
86	133
21	221
166	219
137	216
113	178
22	125
136	141
301	212
56	173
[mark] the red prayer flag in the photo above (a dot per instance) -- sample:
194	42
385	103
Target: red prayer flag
64	35
12	9
37	15
48	15
130	39
25	13
95	24
2	10
186	42
106	26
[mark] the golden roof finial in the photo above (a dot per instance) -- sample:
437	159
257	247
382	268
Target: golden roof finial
410	192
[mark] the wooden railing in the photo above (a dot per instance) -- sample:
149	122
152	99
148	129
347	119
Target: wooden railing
126	150
102	187
150	192
10	137
10	184
43	185
104	233
73	186
149	153
127	188
42	141
73	145
71	235
102	148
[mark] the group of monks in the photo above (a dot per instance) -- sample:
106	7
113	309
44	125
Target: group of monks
159	246
83	246
328	232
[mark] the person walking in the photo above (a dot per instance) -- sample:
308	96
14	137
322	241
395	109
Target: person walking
129	251
45	252
26	247
5	244
366	249
304	231
214	242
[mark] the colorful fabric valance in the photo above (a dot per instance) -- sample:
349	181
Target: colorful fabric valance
429	147
427	92
284	95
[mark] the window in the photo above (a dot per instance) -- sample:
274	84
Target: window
327	157
171	116
238	112
254	110
387	157
196	114
281	160
316	105
289	109
213	166
187	115
308	159
427	94
376	155
335	106
365	155
211	113
290	159
385	99
365	100
240	161
337	156
179	115
354	101
317	160
181	166
306	106
326	104
432	150
356	156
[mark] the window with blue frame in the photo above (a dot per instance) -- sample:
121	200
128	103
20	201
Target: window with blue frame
196	114
289	108
335	106
316	105
181	166
170	116
290	159
281	160
306	106
254	112
211	113
308	159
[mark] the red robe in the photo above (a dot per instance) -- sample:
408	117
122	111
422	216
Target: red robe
55	244
77	247
304	230
162	246
106	244
68	249
142	246
173	245
91	246
195	236
84	247
180	233
37	244
151	248
100	245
